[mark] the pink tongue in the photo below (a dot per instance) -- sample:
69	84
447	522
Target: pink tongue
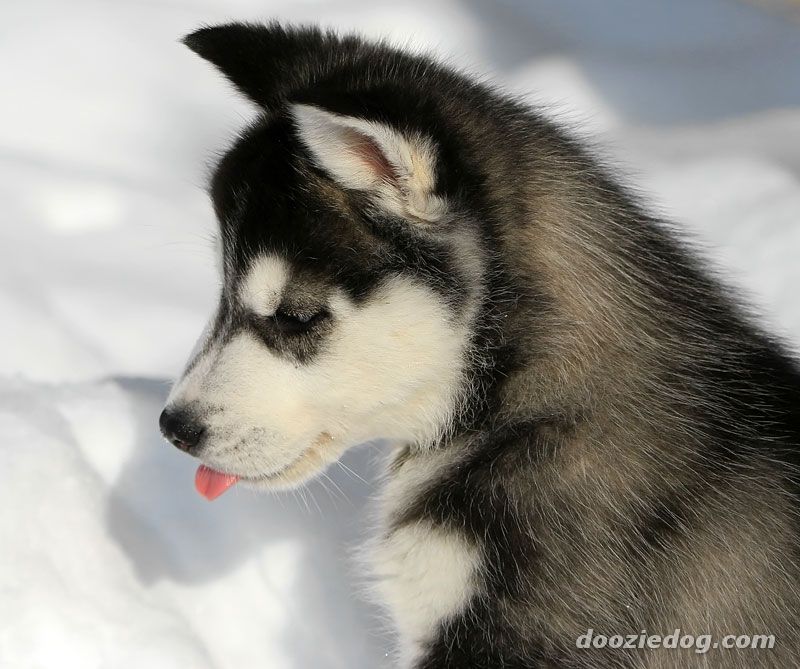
210	483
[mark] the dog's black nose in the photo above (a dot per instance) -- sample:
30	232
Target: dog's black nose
180	428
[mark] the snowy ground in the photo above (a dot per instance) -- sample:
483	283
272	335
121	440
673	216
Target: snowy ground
108	558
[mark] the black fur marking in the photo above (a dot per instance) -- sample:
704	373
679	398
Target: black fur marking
298	342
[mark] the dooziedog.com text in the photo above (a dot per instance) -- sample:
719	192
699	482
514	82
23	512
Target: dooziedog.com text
701	643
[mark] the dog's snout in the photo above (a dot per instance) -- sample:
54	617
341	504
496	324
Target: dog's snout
180	428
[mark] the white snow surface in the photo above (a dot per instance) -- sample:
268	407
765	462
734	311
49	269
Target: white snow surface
108	558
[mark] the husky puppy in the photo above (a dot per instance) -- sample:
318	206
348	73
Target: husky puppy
592	434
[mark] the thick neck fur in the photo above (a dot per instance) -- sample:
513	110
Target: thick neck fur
594	312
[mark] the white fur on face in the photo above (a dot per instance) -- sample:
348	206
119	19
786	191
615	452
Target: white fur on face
398	169
391	368
263	286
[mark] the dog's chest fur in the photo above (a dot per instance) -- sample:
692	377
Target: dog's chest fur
423	573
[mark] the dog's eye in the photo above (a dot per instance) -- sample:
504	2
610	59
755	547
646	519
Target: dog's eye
292	322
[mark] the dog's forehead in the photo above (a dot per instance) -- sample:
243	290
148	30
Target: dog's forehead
270	201
259	197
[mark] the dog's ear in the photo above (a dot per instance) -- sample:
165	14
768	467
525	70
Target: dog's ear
264	61
397	169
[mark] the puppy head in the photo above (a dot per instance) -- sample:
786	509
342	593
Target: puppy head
350	283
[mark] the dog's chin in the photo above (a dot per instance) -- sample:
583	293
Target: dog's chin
322	452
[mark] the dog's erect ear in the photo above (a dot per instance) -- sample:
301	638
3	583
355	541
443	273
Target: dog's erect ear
273	65
265	62
398	169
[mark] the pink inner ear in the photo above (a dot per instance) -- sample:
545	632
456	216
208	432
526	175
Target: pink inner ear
366	149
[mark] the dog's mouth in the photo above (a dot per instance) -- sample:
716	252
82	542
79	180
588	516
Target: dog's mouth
211	483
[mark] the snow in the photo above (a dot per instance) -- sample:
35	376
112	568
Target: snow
108	558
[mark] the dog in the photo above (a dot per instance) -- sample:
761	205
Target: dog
592	435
